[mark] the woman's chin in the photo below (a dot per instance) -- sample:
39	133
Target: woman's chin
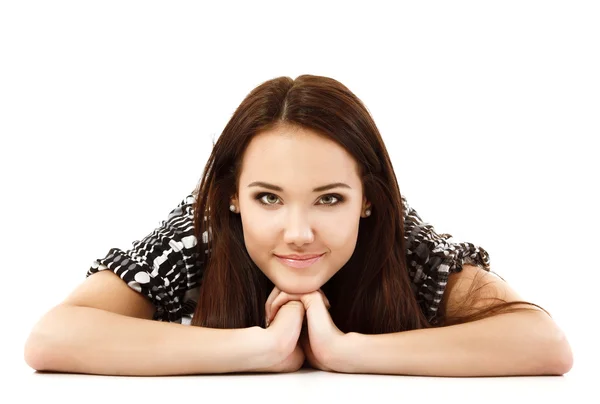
297	288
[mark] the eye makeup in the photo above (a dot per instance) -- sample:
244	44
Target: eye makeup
339	199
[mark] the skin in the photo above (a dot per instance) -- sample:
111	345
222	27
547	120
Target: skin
298	220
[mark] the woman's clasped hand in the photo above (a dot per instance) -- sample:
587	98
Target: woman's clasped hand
301	328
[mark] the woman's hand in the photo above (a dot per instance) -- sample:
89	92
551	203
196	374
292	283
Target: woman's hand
284	332
277	298
321	340
317	346
310	356
291	363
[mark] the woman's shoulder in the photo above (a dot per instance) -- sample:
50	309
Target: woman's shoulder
165	265
432	256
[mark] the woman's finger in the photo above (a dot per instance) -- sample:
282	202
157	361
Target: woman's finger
279	301
274	293
325	299
277	298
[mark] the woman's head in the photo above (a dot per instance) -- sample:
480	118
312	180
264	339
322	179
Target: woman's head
300	135
284	212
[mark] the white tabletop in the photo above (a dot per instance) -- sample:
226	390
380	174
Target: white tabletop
304	386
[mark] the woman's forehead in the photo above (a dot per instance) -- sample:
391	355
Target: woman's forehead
302	158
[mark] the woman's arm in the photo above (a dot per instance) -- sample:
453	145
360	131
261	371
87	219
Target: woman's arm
78	339
521	343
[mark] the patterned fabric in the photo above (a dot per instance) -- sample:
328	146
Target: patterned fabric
166	267
431	258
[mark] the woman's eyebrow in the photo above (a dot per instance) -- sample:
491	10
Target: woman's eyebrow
317	189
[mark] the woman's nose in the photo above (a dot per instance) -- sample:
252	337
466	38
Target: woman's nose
298	229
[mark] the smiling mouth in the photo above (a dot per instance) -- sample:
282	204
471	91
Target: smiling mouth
297	263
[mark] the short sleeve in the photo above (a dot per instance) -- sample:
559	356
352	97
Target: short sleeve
430	258
164	266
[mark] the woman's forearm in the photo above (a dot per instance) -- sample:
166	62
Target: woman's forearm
78	339
509	344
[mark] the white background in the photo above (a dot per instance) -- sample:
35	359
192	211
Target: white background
490	111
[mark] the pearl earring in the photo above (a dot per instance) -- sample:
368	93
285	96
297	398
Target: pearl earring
368	212
232	208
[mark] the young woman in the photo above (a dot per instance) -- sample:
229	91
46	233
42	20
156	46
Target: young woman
297	247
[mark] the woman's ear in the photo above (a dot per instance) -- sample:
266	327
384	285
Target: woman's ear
233	201
366	208
366	204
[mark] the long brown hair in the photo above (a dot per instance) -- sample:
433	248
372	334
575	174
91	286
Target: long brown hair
371	293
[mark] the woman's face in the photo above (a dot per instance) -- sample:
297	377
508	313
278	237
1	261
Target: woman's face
296	219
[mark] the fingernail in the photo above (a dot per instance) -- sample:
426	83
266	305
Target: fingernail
268	322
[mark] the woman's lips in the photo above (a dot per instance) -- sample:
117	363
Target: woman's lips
299	263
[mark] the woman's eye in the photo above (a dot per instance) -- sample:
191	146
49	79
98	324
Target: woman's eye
329	196
272	199
261	196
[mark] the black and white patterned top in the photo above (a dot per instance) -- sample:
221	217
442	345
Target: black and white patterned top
166	267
